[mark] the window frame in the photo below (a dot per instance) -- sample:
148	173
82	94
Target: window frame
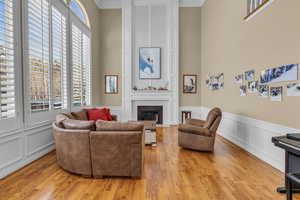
43	117
32	119
86	30
11	125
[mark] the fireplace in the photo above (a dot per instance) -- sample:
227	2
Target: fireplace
150	113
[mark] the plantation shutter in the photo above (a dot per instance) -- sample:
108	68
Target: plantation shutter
77	65
59	60
39	54
7	63
80	67
86	71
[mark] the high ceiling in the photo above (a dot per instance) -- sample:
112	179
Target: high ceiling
107	4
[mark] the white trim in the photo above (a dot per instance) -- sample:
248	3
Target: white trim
192	3
254	136
42	139
116	4
127	35
172	59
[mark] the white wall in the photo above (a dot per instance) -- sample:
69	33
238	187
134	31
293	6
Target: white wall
150	30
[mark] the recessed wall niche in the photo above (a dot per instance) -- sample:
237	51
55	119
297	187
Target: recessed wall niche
150	30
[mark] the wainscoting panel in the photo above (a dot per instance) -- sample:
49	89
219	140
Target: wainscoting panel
39	139
254	136
23	147
8	155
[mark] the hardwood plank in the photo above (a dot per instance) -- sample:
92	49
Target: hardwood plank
170	173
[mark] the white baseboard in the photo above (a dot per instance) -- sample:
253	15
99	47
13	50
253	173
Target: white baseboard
254	136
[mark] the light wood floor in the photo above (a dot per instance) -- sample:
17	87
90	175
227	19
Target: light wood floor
170	173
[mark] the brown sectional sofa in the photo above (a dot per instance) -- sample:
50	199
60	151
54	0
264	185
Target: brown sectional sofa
98	149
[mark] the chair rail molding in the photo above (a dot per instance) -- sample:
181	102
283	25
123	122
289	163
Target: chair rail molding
115	4
254	136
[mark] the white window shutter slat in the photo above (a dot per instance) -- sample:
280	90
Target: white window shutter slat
7	63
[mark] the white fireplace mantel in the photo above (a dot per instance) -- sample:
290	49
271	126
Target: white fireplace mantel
168	99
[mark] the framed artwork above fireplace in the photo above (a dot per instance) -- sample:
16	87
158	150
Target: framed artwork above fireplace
150	63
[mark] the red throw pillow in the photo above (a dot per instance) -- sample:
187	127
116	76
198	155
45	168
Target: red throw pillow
99	114
108	115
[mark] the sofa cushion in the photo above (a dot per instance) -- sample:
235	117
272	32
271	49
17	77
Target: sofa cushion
99	114
194	129
78	124
118	126
81	115
61	117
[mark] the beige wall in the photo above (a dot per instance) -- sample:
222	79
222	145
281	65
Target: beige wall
94	16
232	46
110	53
190	51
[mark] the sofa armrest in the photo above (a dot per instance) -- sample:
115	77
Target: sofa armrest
187	128
195	122
117	153
73	150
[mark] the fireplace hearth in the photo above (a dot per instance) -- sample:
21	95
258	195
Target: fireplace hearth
150	113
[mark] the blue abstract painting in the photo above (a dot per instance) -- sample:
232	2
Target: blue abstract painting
280	74
149	63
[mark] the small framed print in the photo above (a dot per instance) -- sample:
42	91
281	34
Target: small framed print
111	84
190	83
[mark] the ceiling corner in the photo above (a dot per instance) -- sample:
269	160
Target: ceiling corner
109	4
191	3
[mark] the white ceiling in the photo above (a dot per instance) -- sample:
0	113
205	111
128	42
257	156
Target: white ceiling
108	4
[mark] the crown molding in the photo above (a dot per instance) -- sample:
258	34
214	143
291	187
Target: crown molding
191	3
114	4
109	4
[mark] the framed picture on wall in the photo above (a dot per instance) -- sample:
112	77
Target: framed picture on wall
111	84
150	63
190	83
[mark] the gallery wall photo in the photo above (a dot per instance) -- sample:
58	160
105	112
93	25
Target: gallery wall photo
190	83
280	74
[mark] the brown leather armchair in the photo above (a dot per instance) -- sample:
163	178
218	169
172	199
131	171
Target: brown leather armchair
199	134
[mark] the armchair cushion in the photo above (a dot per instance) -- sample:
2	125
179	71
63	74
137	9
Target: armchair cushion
118	126
196	122
78	124
194	129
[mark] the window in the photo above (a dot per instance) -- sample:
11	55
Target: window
80	67
78	11
39	54
47	56
253	6
59	60
51	66
7	63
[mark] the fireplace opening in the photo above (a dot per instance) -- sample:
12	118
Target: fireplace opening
146	113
